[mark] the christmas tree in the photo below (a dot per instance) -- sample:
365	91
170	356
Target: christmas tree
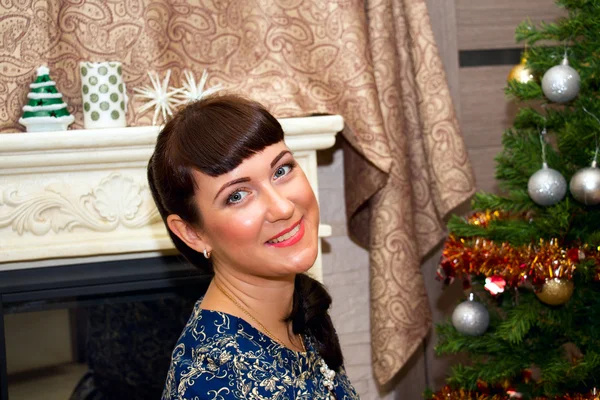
529	259
45	110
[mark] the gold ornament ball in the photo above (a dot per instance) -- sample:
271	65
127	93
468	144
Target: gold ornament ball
520	73
556	292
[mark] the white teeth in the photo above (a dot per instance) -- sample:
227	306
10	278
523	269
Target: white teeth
286	236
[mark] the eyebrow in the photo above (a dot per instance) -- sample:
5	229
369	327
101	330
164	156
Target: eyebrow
231	183
276	159
246	179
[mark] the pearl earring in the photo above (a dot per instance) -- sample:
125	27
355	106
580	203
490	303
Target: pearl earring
206	254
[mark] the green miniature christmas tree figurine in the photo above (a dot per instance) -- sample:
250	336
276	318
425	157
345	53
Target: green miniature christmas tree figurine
45	110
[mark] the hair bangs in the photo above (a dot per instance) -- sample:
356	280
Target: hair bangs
222	137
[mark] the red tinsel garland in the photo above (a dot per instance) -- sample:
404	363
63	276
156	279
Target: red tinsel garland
447	393
477	256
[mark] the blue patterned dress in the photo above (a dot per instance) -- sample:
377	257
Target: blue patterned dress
220	356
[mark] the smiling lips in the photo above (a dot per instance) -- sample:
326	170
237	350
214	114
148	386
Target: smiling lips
288	237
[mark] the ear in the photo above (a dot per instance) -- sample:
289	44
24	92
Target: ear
187	233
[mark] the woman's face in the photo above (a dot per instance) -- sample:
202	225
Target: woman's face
262	217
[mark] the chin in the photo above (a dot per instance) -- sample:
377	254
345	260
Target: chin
303	262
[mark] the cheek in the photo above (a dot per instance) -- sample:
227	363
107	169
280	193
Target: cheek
236	228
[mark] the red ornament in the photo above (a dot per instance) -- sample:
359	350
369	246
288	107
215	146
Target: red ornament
482	387
573	254
527	375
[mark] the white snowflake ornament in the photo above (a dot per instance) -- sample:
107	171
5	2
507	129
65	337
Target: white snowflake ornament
192	91
160	96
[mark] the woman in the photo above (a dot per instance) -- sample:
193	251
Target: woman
229	190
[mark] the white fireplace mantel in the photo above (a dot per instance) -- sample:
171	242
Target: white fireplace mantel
82	194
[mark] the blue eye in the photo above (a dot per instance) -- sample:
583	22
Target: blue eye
283	170
237	196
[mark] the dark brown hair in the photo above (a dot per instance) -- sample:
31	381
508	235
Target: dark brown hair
215	135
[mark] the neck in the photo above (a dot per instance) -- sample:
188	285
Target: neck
268	301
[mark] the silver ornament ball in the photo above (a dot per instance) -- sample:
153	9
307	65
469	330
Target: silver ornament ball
561	83
547	186
585	185
471	318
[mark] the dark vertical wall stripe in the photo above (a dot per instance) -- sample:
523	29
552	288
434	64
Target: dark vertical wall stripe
480	58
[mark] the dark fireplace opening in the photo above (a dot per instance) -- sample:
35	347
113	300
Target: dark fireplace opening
94	331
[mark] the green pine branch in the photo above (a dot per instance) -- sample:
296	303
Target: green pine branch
527	334
524	91
516	201
519	321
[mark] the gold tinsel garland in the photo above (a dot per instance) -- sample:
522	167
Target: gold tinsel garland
447	393
465	257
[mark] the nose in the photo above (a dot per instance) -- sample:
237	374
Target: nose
279	206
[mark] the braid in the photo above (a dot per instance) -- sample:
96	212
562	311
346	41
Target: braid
309	315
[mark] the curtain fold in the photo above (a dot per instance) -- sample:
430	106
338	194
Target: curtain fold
429	175
374	62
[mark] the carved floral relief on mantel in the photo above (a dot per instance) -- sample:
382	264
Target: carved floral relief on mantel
115	200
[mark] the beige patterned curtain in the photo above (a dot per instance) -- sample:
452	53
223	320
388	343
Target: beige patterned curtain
373	62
